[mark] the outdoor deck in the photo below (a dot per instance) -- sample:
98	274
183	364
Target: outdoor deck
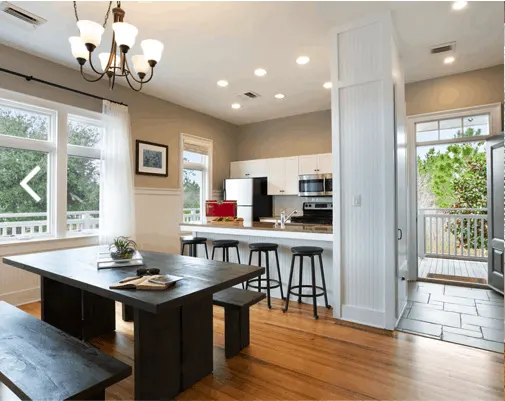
452	267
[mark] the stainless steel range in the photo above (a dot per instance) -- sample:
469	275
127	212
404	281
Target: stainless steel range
315	213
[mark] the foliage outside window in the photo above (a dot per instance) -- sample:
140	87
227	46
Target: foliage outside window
39	164
454	176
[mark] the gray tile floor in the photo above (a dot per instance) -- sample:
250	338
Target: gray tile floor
467	316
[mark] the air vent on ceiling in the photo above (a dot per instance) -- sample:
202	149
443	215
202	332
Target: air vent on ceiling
21	14
251	95
446	47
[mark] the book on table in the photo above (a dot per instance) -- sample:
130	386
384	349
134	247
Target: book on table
158	282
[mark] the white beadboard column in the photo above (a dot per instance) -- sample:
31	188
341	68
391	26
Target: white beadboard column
363	166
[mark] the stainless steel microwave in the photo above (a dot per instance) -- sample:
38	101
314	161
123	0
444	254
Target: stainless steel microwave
315	185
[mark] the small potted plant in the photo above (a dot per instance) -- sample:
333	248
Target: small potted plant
122	248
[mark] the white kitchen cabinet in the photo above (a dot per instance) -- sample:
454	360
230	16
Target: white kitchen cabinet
249	169
315	164
283	176
307	164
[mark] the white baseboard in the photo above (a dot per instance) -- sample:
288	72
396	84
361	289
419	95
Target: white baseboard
368	317
21	297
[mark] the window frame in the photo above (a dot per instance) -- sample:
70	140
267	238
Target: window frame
58	150
492	110
205	168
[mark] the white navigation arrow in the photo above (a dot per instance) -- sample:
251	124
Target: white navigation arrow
24	183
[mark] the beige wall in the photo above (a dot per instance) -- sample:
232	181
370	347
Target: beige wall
152	119
457	91
303	134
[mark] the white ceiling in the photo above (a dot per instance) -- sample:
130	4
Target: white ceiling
208	41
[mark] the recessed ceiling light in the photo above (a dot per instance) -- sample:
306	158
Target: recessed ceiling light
327	85
236	106
260	72
222	83
459	5
449	60
302	60
279	96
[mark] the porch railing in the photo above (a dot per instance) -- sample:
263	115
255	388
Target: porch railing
453	233
36	224
191	215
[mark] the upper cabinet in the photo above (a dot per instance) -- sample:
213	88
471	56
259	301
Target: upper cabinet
249	169
315	164
283	176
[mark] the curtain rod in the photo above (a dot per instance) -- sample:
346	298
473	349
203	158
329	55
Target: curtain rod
42	81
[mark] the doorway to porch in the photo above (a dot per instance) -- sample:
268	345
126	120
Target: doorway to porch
451	196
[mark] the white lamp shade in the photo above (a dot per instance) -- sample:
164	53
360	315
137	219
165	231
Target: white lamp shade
104	59
78	48
152	49
140	64
125	33
91	32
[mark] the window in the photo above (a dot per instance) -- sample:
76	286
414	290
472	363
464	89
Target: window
196	176
453	128
49	177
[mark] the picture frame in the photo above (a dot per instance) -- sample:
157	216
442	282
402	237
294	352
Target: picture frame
151	159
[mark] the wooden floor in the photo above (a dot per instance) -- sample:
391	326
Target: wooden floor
294	357
452	267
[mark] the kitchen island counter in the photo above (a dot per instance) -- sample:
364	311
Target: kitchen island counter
315	232
290	236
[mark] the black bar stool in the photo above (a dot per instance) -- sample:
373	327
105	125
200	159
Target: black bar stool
192	242
225	244
310	251
270	283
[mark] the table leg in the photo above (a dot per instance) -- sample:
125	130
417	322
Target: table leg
157	350
98	315
197	341
61	306
127	313
173	349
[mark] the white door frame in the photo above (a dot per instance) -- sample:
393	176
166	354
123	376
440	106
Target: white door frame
495	125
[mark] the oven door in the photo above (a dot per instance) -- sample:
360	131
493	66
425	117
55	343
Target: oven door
328	184
311	185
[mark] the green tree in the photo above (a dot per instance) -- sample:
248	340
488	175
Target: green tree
457	178
191	190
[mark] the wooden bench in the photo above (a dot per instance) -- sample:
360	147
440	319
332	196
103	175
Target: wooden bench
236	305
38	361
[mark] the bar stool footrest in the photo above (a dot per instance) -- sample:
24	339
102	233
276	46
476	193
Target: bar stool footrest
299	294
276	284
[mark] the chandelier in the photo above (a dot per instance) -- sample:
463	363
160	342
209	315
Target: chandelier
115	63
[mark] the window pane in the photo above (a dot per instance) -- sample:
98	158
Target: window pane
24	124
426	132
23	209
83	133
193	157
476	125
450	129
83	193
193	180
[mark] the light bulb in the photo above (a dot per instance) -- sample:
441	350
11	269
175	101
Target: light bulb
302	60
152	49
125	35
327	85
236	106
91	33
279	96
78	48
260	72
141	65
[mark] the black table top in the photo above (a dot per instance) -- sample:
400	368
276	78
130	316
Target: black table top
77	268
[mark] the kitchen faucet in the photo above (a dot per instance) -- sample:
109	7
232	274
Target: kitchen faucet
285	218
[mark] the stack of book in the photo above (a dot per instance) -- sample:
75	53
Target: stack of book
105	261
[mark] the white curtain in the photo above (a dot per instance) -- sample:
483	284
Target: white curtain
117	202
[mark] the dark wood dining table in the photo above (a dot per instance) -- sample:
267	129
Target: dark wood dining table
173	328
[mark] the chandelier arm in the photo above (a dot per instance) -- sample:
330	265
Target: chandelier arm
129	71
94	69
91	80
130	84
151	77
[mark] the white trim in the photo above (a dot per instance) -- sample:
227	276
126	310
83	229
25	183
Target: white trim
257	233
495	126
158	191
22	297
368	317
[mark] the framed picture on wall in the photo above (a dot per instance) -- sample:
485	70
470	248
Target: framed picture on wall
151	159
